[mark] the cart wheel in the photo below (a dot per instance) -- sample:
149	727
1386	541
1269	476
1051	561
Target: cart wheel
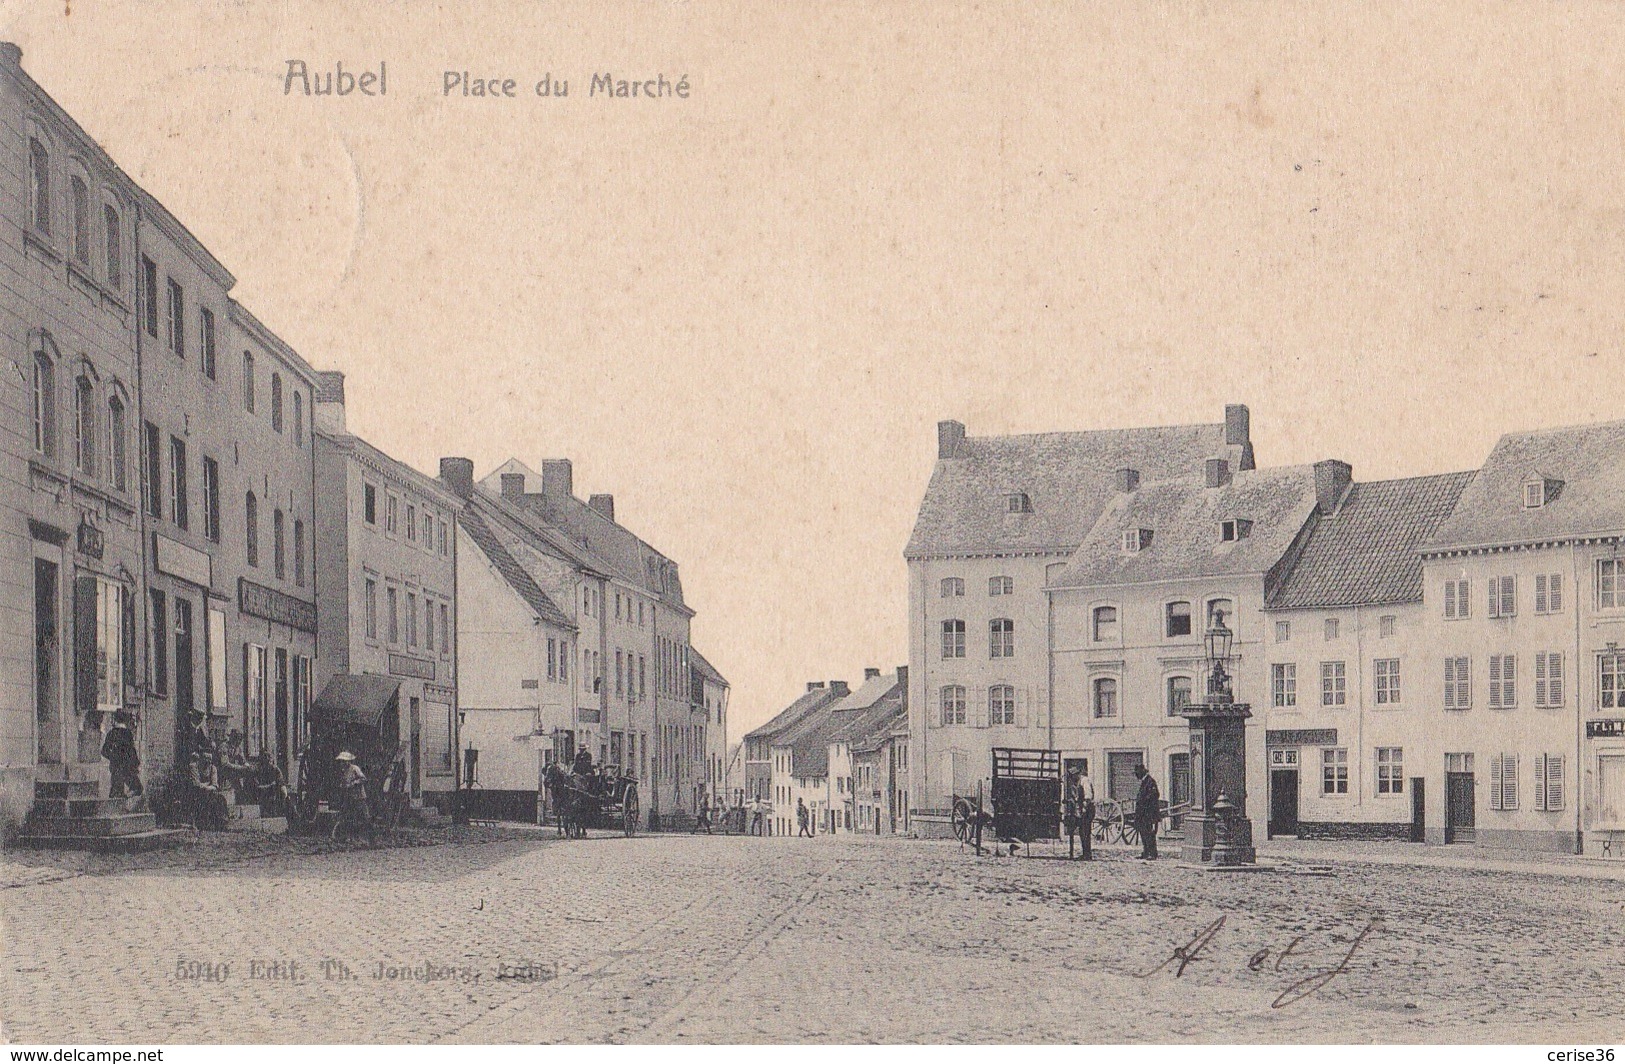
1129	833
963	819
629	811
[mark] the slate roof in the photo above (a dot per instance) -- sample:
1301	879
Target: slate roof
1184	517
874	725
1588	459
794	713
1366	552
509	566
809	741
1067	476
705	668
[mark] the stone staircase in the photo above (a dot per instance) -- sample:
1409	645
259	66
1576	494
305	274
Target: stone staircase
71	814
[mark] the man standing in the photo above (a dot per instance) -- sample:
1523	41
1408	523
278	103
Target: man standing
803	820
1079	810
122	757
703	819
1147	813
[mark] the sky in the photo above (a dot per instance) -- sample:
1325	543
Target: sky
1394	231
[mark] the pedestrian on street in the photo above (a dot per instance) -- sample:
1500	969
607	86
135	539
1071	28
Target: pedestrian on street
122	757
1147	813
353	810
703	820
1079	810
803	820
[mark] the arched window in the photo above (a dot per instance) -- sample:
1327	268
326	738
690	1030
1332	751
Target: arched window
953	639
1179	694
1105	624
276	401
953	704
1177	620
299	553
117	445
1000	585
1221	605
952	587
39	186
79	218
44	395
248	381
1001	704
298	418
279	561
84	426
115	247
1001	638
1105	697
251	528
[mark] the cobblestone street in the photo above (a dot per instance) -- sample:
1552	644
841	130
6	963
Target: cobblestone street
502	936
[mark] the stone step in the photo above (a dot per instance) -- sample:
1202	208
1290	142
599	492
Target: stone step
115	824
91	806
67	789
244	811
270	824
139	842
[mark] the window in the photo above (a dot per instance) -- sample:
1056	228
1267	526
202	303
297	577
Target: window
1503	681
1001	704
115	248
298	418
552	658
412	523
1504	781
1001	638
276	402
279	558
1177	619
1457	600
369	504
158	658
211	500
1387	681
251	528
1232	530
39	172
1534	494
1018	503
1000	585
411	619
44	393
155	471
446	549
1105	626
953	704
391	599
117	445
175	324
205	350
372	608
1503	596
1548	592
952	587
248	381
1549	779
84	426
1610	583
620	688
953	639
391	520
79	222
1334	771
1331	629
1385	627
446	634
149	295
1611	680
1283	631
106	600
1390	770
1549	679
298	553
178	508
1136	539
1284	685
1333	684
1105	697
1179	694
1458	688
428	533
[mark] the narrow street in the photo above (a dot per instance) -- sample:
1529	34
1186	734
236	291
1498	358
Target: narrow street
508	937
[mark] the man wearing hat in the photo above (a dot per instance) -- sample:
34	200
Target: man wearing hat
122	757
353	788
1078	808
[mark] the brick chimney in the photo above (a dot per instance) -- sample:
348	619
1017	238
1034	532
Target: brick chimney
513	486
329	413
814	685
558	478
950	434
1218	472
458	475
11	53
1332	479
871	674
604	504
839	687
1127	479
902	675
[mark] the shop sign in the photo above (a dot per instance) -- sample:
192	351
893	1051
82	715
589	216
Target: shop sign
1605	729
257	600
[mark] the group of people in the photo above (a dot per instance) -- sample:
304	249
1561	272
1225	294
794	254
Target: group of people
211	770
1078	812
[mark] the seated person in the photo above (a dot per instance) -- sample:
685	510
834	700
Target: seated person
235	769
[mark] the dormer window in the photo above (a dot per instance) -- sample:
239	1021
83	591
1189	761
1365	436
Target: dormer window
1234	529
1017	502
1540	490
1136	539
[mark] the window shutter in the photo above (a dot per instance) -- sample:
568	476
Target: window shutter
1509	782
1509	595
1540	781
1554	782
1021	707
1495	597
1554	595
1540	675
1464	683
1449	598
978	700
1040	707
1495	681
1495	782
1450	683
84	643
1509	680
1554	679
1540	594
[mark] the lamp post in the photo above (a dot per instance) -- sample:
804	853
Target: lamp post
1217	831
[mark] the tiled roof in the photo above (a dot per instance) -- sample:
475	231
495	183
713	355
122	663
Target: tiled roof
876	724
1067	476
705	668
510	568
872	691
795	712
1184	517
1365	552
1588	459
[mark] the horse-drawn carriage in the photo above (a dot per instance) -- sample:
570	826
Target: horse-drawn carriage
361	715
576	801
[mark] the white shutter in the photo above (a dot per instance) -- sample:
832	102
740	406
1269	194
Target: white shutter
1540	781
1509	781
1495	681
1021	706
1554	679
1449	598
1540	678
1464	683
1495	781
1540	593
1554	782
1450	683
978	700
1554	597
1509	681
1495	604
1040	707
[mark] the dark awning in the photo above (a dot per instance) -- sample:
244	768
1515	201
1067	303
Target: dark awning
349	699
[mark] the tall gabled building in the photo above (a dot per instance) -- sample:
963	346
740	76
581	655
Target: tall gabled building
762	782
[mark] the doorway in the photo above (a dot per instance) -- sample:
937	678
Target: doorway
1418	810
414	750
1121	784
1458	812
280	709
47	655
185	691
1283	803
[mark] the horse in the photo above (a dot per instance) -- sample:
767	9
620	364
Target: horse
568	798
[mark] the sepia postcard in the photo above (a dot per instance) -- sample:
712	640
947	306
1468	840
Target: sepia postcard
879	522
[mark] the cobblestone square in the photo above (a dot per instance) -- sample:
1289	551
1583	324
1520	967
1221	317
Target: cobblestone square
502	936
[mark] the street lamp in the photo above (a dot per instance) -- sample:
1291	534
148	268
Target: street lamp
1218	642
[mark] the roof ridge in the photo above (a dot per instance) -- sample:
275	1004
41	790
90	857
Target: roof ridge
1099	432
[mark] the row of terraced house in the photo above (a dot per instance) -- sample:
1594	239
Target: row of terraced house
188	525
1437	658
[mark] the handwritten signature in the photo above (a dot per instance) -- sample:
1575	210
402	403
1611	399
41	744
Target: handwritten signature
1182	956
